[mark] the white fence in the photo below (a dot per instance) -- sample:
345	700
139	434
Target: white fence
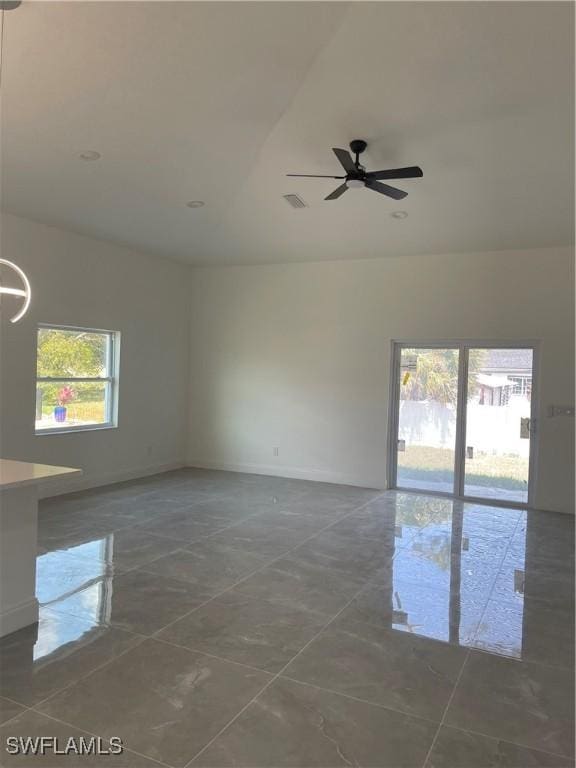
493	429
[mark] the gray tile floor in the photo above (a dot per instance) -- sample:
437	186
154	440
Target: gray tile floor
217	619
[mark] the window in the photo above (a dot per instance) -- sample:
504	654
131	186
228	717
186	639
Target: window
76	379
522	385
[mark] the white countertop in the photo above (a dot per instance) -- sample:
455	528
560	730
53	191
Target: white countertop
14	474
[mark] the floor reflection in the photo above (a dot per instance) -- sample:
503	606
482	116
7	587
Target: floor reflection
75	581
56	631
443	579
464	574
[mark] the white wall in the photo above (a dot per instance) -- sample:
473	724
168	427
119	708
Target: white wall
298	356
80	281
294	356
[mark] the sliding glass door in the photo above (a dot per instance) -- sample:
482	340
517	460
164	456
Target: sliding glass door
426	445
462	420
498	423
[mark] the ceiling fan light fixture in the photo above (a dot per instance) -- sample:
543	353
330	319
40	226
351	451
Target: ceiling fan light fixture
354	184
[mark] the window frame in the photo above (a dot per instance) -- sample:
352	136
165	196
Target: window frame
112	380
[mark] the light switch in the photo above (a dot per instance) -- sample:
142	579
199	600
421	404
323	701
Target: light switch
560	410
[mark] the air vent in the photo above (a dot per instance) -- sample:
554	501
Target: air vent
295	201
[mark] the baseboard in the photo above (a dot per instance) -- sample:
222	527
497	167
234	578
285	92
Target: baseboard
275	470
19	616
88	481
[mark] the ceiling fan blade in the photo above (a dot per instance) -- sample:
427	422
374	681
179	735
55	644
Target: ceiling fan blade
413	172
314	176
384	189
337	192
345	159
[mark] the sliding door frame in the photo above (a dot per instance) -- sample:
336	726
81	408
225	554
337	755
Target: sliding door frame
463	346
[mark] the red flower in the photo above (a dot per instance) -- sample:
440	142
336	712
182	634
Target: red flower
65	395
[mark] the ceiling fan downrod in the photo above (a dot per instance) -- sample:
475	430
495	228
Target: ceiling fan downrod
358	146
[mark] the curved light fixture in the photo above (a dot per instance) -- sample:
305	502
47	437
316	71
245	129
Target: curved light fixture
24	292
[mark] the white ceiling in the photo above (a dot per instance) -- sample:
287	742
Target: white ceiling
218	101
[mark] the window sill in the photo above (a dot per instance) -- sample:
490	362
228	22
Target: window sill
73	430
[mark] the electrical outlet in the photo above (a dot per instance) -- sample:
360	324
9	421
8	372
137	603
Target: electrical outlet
275	451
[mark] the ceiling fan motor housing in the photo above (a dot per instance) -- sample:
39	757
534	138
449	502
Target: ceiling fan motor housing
358	146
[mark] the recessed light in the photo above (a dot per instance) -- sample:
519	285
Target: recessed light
399	214
90	154
195	203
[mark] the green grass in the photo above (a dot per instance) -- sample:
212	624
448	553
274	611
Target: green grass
79	411
437	464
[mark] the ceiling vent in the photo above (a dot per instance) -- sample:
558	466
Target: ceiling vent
295	201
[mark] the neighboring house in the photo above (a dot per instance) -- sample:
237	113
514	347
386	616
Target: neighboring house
503	374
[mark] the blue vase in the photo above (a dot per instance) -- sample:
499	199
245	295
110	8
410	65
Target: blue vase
60	413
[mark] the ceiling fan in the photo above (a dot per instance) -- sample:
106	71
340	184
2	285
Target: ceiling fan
357	176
